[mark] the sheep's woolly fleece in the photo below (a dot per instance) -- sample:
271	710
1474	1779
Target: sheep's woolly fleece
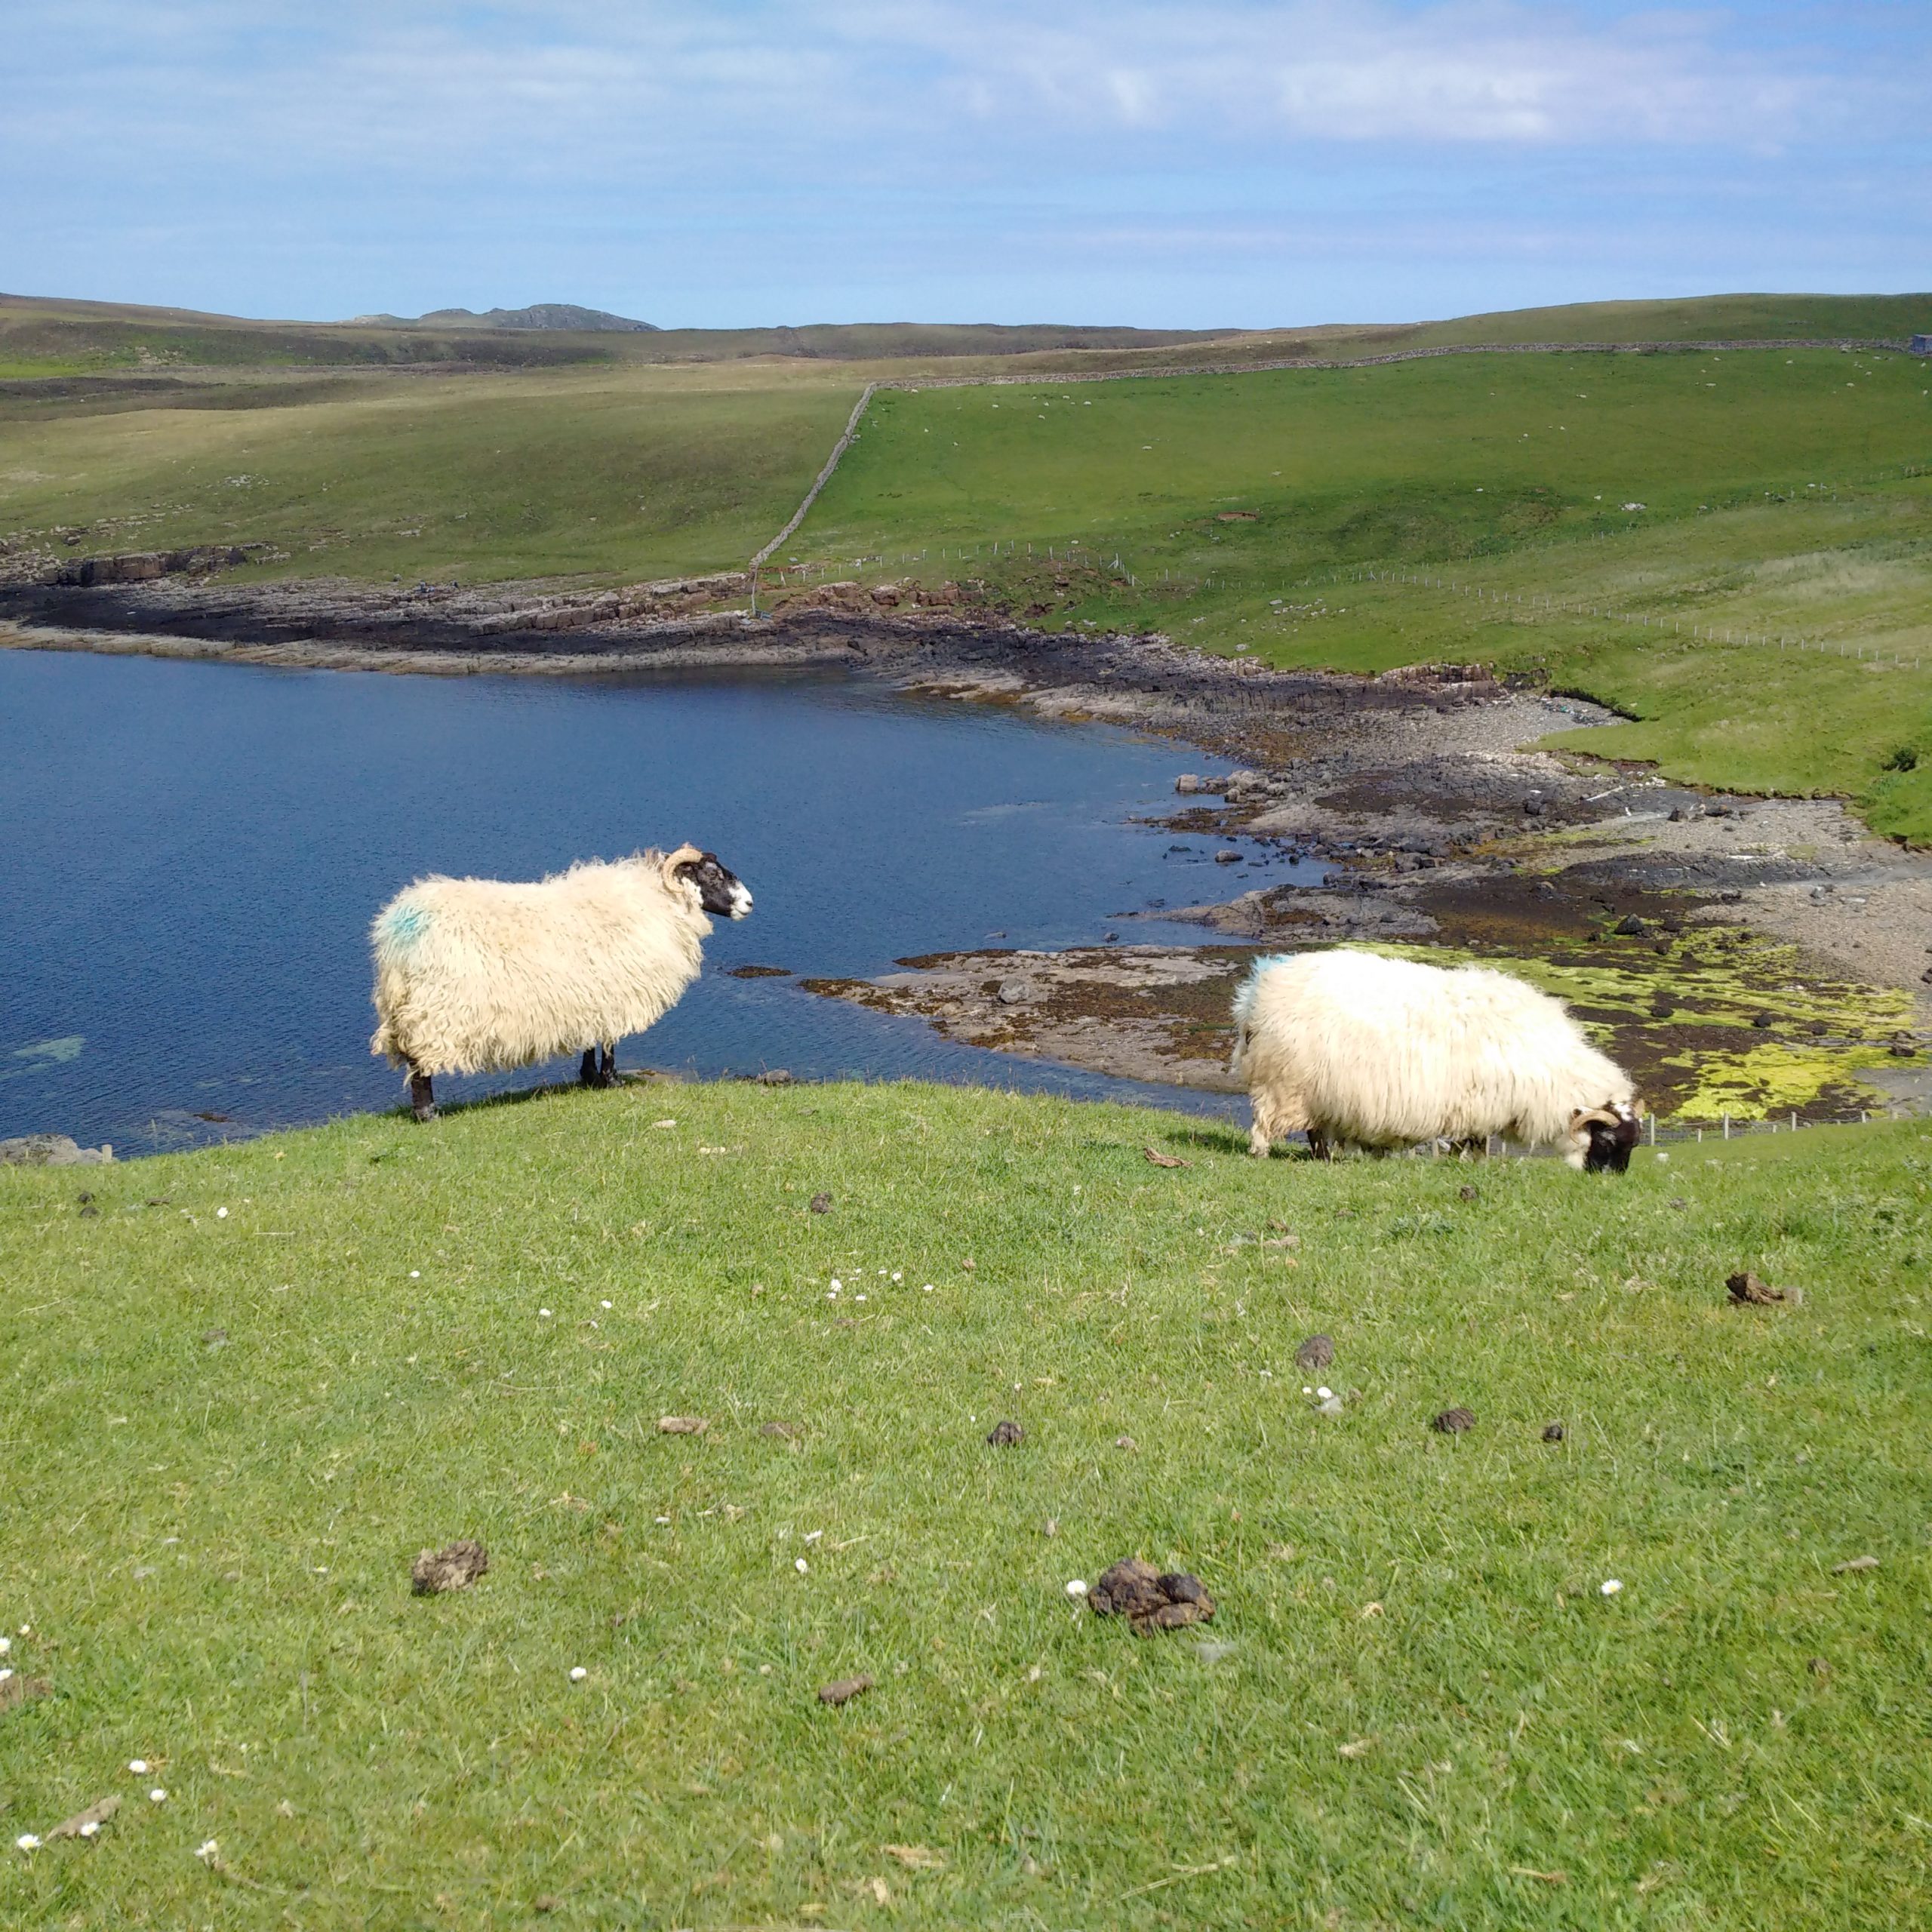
1389	1053
481	976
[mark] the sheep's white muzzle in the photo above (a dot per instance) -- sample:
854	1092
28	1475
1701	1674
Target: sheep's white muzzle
741	901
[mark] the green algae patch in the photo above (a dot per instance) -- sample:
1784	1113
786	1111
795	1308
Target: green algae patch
1710	1021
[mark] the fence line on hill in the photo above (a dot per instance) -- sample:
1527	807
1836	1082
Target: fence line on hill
1693	1133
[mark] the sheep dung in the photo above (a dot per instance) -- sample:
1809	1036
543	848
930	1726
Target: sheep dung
1317	1351
682	1425
821	1204
455	1568
788	1431
1005	1435
1452	1422
1150	1600
1746	1287
86	1824
17	1690
1553	1432
843	1690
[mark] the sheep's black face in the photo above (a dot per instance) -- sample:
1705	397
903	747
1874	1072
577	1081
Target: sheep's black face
718	891
1612	1133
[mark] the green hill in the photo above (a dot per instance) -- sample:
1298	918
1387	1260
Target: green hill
240	1390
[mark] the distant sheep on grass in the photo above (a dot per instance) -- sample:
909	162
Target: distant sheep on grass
480	975
1351	1047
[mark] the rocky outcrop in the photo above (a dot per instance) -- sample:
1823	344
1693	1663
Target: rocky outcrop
144	566
52	1150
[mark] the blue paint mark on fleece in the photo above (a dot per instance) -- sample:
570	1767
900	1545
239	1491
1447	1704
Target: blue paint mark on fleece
403	926
1268	959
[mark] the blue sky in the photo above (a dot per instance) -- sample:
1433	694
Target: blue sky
1224	161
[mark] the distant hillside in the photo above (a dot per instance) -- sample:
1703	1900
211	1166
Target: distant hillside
91	341
538	316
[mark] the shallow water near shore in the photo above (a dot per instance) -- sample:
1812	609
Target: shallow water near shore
193	852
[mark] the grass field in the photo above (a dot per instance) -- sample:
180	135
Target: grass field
243	1388
1777	492
618	474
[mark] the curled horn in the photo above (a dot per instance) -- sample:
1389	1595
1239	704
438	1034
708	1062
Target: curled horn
683	856
1594	1116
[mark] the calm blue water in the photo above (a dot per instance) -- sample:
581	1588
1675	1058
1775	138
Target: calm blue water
190	855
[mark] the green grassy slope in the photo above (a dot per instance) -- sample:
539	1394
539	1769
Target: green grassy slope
1780	493
1698	318
227	1435
617	473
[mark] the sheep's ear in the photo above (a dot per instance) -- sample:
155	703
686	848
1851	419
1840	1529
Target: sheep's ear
674	862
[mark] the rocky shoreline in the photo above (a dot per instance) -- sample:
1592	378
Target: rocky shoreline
1413	790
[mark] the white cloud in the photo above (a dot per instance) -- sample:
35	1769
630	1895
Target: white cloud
533	83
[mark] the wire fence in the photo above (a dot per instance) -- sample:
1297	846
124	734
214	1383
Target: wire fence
1679	1134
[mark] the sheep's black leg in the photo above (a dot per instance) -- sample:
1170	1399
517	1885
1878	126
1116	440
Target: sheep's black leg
586	1074
610	1065
1318	1145
422	1095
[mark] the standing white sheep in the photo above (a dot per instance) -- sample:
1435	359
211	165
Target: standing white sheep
479	976
1351	1047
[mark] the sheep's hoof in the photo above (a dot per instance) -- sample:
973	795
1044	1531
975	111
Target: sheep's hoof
425	1113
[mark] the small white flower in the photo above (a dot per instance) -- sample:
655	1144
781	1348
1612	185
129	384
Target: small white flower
91	1828
1609	1586
139	1766
544	1315
928	1289
836	1284
221	1214
157	1796
4	1675
208	1848
1324	1394
1306	1390
6	1644
813	1535
663	1521
578	1673
1663	1157
1077	1588
604	1304
26	1630
799	1564
26	1841
899	1274
858	1297
416	1274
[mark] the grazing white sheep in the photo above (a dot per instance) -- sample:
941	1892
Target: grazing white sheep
478	975
1350	1047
